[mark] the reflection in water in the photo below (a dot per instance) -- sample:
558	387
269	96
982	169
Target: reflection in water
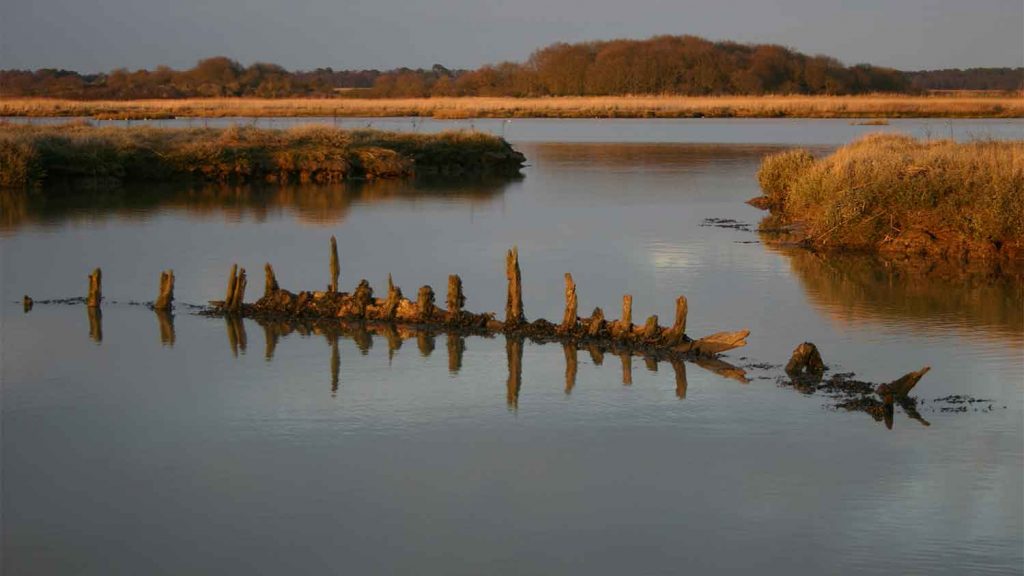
362	334
859	290
236	333
95	323
166	320
319	204
644	157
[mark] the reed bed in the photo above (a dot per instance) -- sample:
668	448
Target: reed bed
891	192
866	106
30	155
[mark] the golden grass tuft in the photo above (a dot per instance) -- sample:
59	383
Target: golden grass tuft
891	191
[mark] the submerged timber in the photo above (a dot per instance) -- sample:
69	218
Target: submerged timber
33	155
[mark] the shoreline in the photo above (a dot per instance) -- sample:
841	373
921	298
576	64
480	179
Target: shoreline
880	106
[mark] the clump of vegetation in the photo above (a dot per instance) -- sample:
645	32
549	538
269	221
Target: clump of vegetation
30	155
891	192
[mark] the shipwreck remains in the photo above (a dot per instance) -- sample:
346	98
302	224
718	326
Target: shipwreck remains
619	337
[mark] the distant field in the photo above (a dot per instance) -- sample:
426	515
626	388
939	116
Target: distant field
870	106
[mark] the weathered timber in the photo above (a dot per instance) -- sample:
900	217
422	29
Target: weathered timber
624	326
456	299
335	269
270	281
166	296
361	305
899	388
514	304
570	316
95	297
805	362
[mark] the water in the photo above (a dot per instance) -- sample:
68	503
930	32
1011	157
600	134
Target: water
218	448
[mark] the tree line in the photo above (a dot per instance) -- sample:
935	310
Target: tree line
662	65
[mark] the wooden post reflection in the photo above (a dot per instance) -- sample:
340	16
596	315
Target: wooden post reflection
95	323
651	362
680	369
456	347
271	334
236	333
514	352
627	368
570	366
596	354
335	364
166	320
363	339
394	340
425	343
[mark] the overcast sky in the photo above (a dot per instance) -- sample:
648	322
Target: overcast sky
99	35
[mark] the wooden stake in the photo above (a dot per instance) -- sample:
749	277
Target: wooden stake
166	296
238	293
677	333
392	301
229	297
569	318
596	323
456	299
270	282
335	270
624	327
806	360
95	289
425	303
514	303
651	331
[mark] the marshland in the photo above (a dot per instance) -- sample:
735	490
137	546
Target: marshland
351	434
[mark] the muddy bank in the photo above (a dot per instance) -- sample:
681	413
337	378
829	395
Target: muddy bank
109	156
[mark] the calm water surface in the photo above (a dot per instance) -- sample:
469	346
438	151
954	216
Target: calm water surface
131	445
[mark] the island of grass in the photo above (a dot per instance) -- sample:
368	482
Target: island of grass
34	155
894	194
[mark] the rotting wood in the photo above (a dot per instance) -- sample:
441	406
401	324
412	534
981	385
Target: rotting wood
362	306
165	298
270	280
335	269
899	388
514	315
95	297
805	362
571	312
456	299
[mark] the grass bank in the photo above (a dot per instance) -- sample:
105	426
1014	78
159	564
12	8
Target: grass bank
32	155
867	106
893	193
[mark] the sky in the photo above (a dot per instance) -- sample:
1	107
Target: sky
100	35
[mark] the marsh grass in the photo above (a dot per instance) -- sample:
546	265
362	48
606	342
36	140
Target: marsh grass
32	154
891	191
865	106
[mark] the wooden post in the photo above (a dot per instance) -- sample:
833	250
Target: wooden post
651	331
569	318
166	296
95	289
229	297
627	368
425	303
362	297
26	304
677	332
391	303
514	303
270	282
335	271
624	327
596	323
805	361
238	293
456	299
570	366
456	346
899	388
